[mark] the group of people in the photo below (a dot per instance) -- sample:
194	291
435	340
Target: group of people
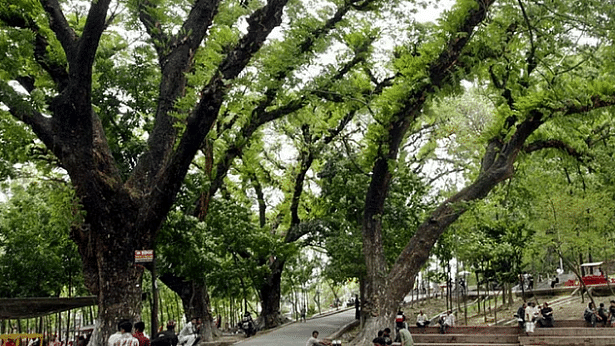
188	336
530	314
446	320
384	337
602	316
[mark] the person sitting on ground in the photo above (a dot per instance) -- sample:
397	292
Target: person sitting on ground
189	335
387	336
441	320
421	320
602	312
546	319
314	341
379	340
450	319
590	315
446	321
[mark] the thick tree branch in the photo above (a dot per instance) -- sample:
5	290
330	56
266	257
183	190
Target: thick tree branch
23	111
553	144
167	182
58	72
152	27
81	65
175	55
500	168
263	116
58	23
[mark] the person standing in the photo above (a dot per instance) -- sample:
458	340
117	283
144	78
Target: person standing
123	336
303	314
400	322
138	334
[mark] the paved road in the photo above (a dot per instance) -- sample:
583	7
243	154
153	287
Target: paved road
296	334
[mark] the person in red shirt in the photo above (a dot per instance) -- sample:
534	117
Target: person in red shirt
139	328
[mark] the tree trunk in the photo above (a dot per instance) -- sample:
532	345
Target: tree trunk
195	301
119	292
385	289
270	295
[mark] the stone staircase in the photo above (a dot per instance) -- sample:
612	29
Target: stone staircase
466	336
565	333
577	334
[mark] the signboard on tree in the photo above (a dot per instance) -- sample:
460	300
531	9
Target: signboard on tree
142	256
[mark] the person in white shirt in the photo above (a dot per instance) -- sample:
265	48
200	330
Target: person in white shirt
123	337
531	314
450	319
446	321
189	335
313	340
422	320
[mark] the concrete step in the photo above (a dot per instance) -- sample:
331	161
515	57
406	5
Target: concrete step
465	344
468	330
573	323
575	331
567	340
465	338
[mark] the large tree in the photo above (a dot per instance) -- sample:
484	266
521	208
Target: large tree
57	78
124	94
525	101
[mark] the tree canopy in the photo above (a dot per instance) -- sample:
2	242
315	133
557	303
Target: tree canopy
241	130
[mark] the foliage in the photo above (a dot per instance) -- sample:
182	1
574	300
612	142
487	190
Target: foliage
37	258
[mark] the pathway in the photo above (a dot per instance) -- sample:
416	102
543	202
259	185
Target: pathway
296	334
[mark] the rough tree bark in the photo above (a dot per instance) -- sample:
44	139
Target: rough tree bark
123	216
195	301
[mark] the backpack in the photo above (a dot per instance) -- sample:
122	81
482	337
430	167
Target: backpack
399	318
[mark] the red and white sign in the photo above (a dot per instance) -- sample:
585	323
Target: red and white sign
142	256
